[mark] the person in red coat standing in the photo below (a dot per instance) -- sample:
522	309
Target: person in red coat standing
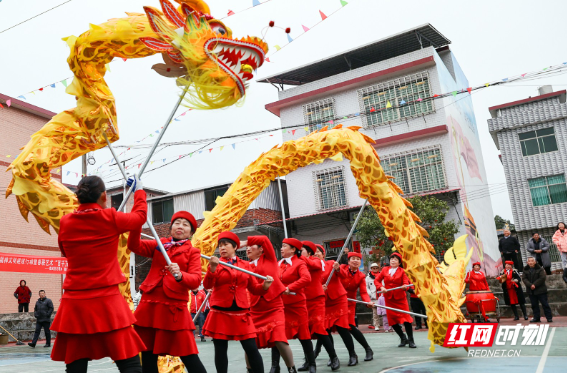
395	276
23	295
476	279
230	319
353	280
336	310
295	276
268	310
315	296
94	320
162	318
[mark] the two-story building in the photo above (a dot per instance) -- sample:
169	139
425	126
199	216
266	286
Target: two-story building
531	135
429	144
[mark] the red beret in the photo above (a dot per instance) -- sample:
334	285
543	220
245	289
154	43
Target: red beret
231	236
185	215
509	262
476	264
397	255
293	242
351	254
258	240
320	247
310	245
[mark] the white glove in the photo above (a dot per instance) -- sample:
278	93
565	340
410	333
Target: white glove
135	183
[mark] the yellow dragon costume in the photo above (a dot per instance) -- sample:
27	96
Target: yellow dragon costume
213	68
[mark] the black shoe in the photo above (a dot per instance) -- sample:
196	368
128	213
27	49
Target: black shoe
249	370
525	317
335	363
48	345
352	360
291	369
304	367
369	354
549	320
412	344
312	368
203	339
403	342
32	345
275	369
534	320
329	363
417	327
516	318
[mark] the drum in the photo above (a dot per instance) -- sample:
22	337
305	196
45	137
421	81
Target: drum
474	300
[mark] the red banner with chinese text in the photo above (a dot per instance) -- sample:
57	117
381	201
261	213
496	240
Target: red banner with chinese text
32	264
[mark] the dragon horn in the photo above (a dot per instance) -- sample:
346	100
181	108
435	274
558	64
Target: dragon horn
172	14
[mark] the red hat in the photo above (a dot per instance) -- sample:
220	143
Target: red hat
185	215
476	264
310	245
231	236
396	254
293	242
320	247
351	254
509	262
258	240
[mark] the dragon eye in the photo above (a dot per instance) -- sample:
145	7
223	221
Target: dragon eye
218	28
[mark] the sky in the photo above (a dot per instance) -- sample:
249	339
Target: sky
490	39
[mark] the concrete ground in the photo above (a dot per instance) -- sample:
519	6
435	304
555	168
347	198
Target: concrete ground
552	357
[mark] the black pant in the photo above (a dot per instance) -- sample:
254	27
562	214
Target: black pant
191	362
45	325
513	257
417	306
536	299
547	269
23	307
130	365
199	322
249	347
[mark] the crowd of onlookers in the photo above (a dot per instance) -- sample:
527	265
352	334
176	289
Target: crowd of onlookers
42	311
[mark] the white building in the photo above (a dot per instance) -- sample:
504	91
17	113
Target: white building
430	146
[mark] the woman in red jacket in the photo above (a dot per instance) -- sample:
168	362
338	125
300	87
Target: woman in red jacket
162	318
476	279
336	310
316	304
295	276
395	276
353	280
268	309
23	295
94	320
230	319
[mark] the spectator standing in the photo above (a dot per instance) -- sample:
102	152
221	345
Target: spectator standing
42	312
371	289
382	313
513	293
197	298
23	295
417	306
538	247
534	278
560	239
509	247
344	258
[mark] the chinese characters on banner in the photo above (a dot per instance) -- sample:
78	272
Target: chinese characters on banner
32	264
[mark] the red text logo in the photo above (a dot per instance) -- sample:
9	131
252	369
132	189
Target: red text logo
470	335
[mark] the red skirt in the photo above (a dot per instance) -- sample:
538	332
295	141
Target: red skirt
93	324
168	342
512	296
336	312
398	317
297	321
316	311
269	320
229	325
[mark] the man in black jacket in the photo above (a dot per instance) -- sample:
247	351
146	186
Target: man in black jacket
534	278
42	312
509	247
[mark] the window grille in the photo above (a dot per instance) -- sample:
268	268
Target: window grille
330	189
418	171
548	190
318	114
396	99
162	211
538	141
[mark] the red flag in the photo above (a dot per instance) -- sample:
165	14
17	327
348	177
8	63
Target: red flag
293	132
230	13
469	89
323	16
267	59
210	150
32	264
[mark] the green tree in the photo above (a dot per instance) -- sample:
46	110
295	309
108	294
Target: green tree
431	211
500	223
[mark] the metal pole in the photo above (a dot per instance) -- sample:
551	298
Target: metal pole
389	308
202	305
347	240
153	149
399	287
283	210
84	165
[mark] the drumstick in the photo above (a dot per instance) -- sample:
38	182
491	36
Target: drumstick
399	287
389	308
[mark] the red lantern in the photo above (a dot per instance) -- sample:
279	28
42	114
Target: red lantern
272	23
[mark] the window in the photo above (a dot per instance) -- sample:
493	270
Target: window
162	211
418	171
548	190
393	97
538	141
116	200
330	188
211	196
318	114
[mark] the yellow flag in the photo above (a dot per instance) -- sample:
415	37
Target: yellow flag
388	105
277	47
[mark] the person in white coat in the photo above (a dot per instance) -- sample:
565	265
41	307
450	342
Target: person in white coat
371	288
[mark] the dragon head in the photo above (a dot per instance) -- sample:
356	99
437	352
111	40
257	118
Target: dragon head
214	67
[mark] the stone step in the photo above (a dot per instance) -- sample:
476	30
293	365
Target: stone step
22	325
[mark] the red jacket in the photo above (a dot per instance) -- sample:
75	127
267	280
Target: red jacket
229	285
335	289
315	267
197	300
267	265
476	281
89	240
23	294
352	283
296	278
186	256
400	278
